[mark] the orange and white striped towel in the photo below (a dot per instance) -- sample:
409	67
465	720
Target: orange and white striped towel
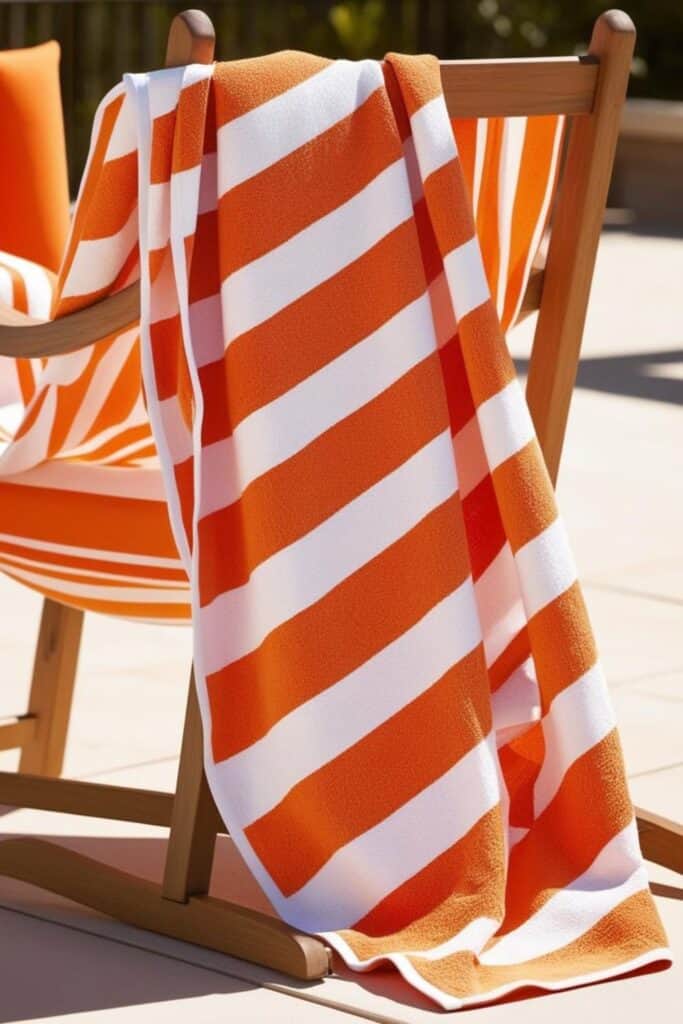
407	729
83	516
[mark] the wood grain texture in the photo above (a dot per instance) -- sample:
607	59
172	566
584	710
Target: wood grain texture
17	731
661	839
88	799
195	821
509	88
52	688
215	924
574	238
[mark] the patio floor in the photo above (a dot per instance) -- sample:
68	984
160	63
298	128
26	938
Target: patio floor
621	491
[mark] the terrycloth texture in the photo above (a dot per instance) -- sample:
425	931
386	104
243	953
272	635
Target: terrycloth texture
83	516
407	730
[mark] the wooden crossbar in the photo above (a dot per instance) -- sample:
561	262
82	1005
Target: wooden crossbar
510	88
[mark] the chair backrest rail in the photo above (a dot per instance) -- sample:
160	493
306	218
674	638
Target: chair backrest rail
593	86
511	88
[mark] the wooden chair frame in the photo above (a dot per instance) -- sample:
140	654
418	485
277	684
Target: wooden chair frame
591	90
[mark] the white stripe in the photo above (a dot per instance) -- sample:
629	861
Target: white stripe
505	424
277	431
472	937
359	875
542	216
176	431
501	610
431	131
25	451
517	704
101	554
66	369
615	874
136	418
466	278
297	576
514	132
37	283
529	980
206	326
49	568
90	478
301	742
84	591
97	262
122	139
6	286
479	158
292	119
470	457
579	717
546	567
268	284
99	389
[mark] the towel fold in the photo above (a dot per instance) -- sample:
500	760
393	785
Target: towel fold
407	728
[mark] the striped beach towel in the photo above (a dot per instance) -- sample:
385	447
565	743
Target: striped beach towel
83	515
407	728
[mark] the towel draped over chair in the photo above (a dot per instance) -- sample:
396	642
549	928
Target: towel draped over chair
407	729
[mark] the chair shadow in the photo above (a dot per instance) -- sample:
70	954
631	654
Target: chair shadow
629	375
90	963
57	959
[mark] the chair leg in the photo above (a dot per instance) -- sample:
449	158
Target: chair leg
52	686
195	821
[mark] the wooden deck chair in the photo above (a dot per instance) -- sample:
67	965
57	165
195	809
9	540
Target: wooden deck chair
590	91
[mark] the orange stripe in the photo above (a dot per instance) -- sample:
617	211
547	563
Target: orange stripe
331	471
621	936
267	361
465	132
487	208
128	609
526	495
112	202
253	217
104	522
584	815
452	221
485	532
242	85
562	643
515	654
487	360
520	763
534	172
425	565
419	79
89	192
464	882
388	767
132	568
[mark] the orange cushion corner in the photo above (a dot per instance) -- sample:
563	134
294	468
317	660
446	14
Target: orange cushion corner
34	188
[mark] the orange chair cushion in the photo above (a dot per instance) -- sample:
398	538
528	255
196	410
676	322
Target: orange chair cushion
34	189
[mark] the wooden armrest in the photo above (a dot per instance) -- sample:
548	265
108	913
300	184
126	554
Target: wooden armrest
23	337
